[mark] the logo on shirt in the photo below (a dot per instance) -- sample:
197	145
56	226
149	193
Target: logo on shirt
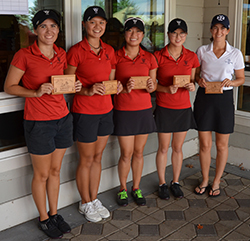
59	60
185	63
228	61
143	61
107	57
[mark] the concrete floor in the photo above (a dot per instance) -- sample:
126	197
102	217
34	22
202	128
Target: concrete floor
193	217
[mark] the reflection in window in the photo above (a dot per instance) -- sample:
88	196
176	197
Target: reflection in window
151	11
244	98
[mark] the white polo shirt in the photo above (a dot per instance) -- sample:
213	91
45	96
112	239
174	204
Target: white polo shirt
218	69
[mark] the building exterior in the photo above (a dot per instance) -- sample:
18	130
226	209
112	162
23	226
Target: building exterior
15	33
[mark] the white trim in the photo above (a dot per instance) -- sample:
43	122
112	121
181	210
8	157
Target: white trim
170	13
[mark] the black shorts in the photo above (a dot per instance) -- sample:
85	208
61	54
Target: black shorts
43	137
174	120
214	112
88	127
128	123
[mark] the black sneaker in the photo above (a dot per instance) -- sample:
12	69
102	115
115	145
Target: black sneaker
176	190
163	192
59	222
50	229
138	197
122	198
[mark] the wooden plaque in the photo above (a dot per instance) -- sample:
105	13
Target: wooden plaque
110	86
63	84
181	80
214	88
140	82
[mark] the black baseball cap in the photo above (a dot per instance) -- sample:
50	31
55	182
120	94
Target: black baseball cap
93	11
222	19
177	23
134	22
44	14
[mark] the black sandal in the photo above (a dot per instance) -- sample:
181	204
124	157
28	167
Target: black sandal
213	191
201	188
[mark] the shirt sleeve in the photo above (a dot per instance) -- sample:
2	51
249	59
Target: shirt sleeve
196	61
198	53
73	57
153	61
239	61
113	59
19	60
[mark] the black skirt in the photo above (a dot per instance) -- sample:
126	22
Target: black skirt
174	120
214	112
128	123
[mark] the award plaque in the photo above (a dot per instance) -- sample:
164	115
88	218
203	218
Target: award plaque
63	84
140	82
213	88
181	80
110	87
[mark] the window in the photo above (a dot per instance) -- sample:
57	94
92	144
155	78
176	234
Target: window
16	31
151	11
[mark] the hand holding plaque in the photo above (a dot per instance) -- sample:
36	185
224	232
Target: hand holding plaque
181	80
213	88
63	84
140	82
110	87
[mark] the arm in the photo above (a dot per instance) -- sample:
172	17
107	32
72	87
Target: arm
239	79
12	87
151	82
200	81
191	86
171	89
97	88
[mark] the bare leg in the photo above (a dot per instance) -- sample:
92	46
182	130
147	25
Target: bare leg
177	155
127	146
137	159
161	157
205	139
221	159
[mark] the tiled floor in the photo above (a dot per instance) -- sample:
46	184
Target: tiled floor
193	217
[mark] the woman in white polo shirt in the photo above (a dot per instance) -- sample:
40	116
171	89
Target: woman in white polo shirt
215	112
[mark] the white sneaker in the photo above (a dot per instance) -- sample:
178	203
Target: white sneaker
90	213
103	212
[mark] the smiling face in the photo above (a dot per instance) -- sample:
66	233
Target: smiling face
177	38
47	32
95	27
219	32
133	36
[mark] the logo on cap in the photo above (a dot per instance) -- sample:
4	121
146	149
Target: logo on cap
220	18
135	21
46	12
178	22
95	10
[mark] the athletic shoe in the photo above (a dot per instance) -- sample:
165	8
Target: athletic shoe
88	210
122	198
59	222
176	190
103	212
163	192
138	197
50	229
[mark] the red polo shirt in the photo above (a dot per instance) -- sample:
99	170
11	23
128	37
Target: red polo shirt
91	69
38	70
125	68
168	67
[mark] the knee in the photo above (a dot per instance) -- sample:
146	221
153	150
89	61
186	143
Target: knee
221	147
55	172
41	176
138	154
205	147
177	149
126	157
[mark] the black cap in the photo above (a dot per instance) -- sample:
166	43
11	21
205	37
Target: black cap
93	11
222	19
134	22
177	23
44	14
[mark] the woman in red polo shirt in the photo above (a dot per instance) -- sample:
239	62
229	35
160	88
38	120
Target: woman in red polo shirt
48	124
133	117
173	114
93	62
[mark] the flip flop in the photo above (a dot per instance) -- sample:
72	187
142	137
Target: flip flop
201	188
213	191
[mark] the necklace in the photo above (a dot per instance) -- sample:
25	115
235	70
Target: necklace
50	56
173	55
95	47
